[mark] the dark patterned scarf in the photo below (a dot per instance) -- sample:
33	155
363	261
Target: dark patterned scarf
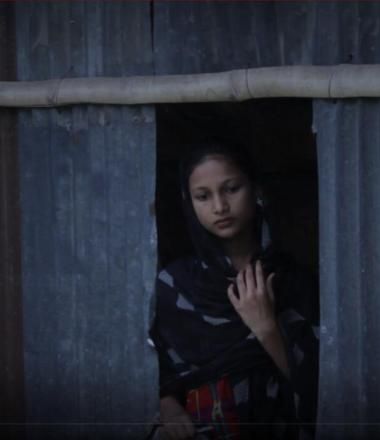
197	332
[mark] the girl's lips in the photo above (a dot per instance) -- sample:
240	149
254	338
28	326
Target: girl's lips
225	223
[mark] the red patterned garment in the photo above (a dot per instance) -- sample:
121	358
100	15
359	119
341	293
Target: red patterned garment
215	403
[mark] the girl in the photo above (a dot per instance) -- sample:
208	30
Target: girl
233	325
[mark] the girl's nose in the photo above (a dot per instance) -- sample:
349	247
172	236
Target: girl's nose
219	205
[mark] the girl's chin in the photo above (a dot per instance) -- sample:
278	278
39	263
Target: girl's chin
226	234
230	234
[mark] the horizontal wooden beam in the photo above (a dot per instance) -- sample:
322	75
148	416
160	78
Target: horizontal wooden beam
338	81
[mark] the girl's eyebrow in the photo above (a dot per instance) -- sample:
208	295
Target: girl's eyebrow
224	182
232	178
200	188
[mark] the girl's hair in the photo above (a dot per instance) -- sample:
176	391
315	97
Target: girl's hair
198	153
206	246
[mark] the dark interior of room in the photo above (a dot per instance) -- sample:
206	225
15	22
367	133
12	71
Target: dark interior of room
278	135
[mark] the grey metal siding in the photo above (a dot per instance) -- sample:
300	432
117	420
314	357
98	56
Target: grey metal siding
77	198
11	354
349	161
348	150
194	37
88	238
213	36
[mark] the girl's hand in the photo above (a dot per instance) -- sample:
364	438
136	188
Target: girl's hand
255	300
177	424
255	305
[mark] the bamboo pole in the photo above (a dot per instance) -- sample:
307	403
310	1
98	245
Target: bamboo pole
339	81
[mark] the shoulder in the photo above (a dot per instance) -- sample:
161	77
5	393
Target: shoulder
177	272
174	282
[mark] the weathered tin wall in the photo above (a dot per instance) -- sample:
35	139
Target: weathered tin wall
11	358
78	241
195	37
348	140
221	36
88	238
192	37
348	137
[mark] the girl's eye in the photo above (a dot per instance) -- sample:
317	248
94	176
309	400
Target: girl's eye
232	188
200	197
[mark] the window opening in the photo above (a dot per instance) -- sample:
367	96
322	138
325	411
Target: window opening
278	135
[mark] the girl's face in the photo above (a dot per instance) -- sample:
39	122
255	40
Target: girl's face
222	197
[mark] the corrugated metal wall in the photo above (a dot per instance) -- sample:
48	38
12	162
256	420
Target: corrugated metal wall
212	36
348	147
83	238
11	355
348	139
88	238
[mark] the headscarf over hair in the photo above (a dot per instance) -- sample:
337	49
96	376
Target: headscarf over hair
198	333
207	247
200	337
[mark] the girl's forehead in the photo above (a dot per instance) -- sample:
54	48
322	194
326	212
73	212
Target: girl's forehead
214	168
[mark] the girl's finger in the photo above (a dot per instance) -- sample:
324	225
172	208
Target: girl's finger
260	278
250	279
240	282
231	295
269	285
